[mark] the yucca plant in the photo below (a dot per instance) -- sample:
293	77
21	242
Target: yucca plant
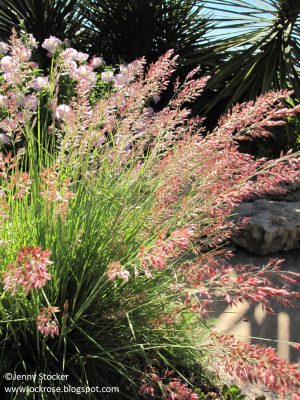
40	17
261	40
126	30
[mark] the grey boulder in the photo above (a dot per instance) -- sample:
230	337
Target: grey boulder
272	226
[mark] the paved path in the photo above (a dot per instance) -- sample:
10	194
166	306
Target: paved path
252	324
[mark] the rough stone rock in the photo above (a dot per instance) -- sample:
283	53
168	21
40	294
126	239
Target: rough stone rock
272	226
294	195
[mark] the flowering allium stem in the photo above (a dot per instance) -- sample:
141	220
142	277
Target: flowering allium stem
46	323
115	270
165	387
29	271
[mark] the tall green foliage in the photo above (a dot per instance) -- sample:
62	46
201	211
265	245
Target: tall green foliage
110	254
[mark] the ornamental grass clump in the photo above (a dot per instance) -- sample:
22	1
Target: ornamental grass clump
113	216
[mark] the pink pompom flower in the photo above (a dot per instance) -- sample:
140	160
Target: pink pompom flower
62	112
51	44
30	102
3	101
69	54
107	76
29	271
96	62
81	57
7	64
32	41
39	83
46	323
23	53
115	271
84	75
3	48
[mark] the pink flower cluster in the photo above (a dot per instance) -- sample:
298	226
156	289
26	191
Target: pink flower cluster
20	53
29	271
82	73
18	89
3	48
166	248
115	271
20	185
51	44
40	83
71	54
15	66
252	119
7	163
30	102
96	62
107	76
126	75
248	362
165	387
56	192
168	193
190	89
63	112
46	323
212	278
85	77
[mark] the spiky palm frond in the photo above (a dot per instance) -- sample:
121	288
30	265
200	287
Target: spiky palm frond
262	41
128	29
40	17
